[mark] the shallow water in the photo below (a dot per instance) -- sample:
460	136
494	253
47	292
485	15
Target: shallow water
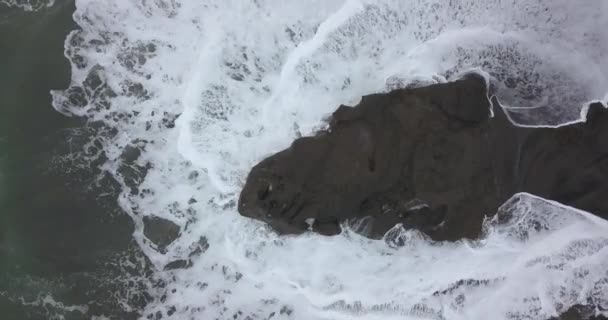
205	89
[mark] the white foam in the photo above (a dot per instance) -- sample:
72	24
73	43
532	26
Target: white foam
247	77
54	310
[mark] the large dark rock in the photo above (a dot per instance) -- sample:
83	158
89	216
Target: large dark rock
432	158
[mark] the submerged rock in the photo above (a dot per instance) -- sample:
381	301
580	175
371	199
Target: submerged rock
436	158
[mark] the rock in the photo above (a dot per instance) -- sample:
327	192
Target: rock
199	247
431	158
159	231
580	312
178	264
131	172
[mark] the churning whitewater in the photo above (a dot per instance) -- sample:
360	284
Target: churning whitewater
205	89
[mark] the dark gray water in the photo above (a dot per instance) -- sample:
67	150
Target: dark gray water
63	246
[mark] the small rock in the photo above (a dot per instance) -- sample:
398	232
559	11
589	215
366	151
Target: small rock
178	264
199	247
580	312
161	232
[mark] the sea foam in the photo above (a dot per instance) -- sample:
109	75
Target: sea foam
28	5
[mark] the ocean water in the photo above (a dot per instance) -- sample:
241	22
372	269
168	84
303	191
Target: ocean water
205	89
28	5
66	250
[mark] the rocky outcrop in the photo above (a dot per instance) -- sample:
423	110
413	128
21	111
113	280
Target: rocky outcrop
437	158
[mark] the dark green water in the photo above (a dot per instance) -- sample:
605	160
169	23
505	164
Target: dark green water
58	239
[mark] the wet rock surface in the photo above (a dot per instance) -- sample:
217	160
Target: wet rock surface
161	232
580	312
436	158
